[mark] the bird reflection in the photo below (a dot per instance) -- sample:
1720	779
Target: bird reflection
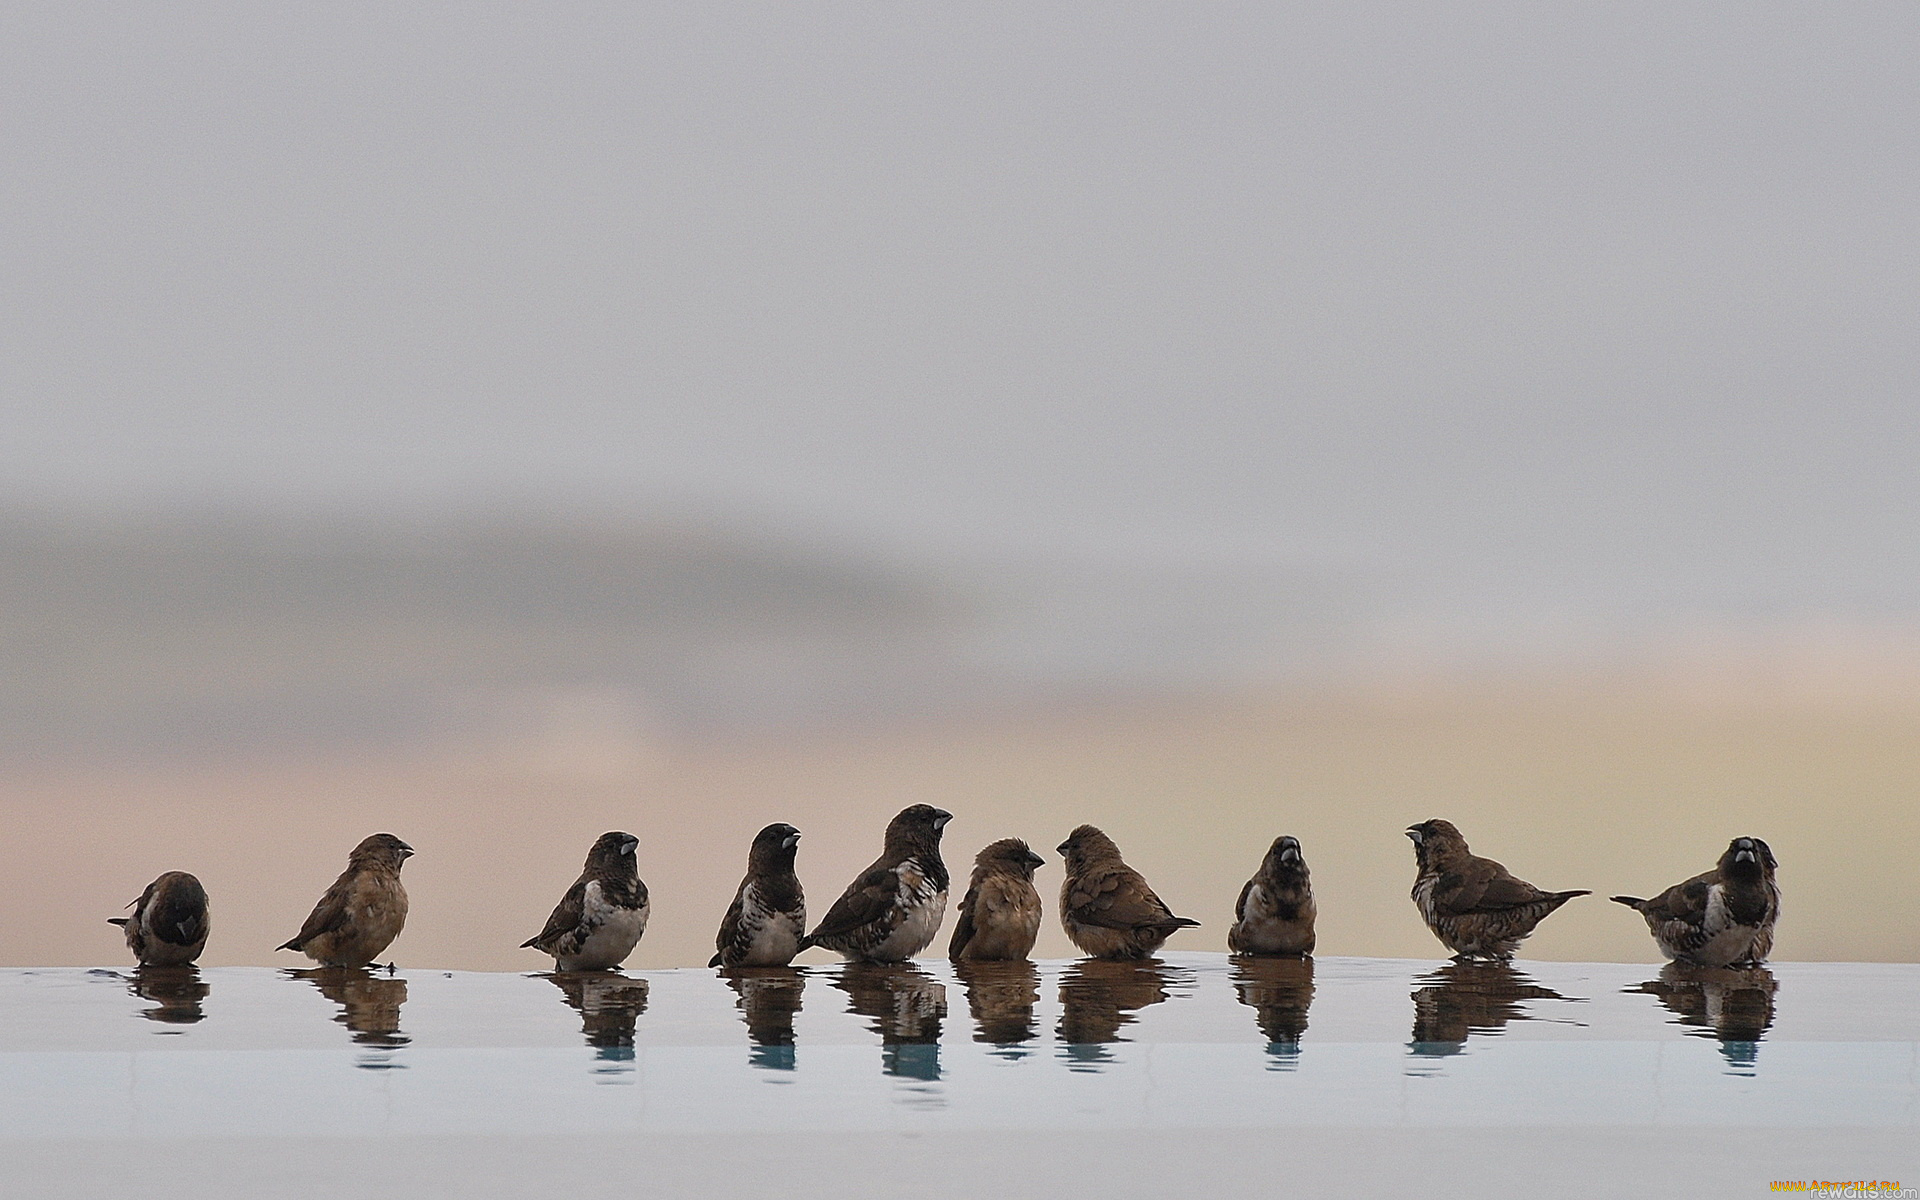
176	991
1098	996
369	1005
769	999
1731	1004
609	1004
1001	996
1279	990
1468	997
907	1006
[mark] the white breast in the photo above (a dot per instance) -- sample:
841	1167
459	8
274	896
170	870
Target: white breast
612	934
773	937
924	909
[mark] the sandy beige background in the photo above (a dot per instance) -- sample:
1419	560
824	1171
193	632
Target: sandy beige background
1615	787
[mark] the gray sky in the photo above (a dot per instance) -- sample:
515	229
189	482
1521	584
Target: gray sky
1602	307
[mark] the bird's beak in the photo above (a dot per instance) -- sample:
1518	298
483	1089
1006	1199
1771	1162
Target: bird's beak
1034	860
1289	854
790	841
940	818
1062	847
406	851
629	847
1415	835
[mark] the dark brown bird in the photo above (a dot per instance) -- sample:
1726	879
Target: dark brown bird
169	924
1000	914
1472	904
600	919
768	917
1275	912
1719	918
893	910
364	910
1106	906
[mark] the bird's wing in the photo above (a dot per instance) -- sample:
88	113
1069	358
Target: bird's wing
332	914
566	916
1483	886
1119	899
730	924
1683	901
866	899
963	927
1240	905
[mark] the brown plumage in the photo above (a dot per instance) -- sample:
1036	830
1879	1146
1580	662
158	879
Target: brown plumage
768	917
599	920
1106	906
1719	918
1275	912
169	924
1000	914
1474	905
893	910
364	910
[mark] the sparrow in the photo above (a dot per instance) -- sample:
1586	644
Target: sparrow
768	917
893	910
364	910
1473	905
1275	912
1000	914
1719	918
1107	908
600	919
168	927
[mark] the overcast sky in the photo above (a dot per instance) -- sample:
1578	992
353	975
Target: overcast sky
1607	306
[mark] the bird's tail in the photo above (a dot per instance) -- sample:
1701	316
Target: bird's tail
121	921
714	961
293	944
529	943
1633	902
807	943
1560	898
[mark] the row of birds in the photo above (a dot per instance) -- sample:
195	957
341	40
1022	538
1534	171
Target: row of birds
894	909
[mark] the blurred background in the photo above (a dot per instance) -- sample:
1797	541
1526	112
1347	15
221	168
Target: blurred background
497	424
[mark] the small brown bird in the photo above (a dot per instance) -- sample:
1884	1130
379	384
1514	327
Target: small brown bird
1000	914
893	910
1719	918
169	924
768	916
1275	912
364	910
1472	904
600	919
1106	906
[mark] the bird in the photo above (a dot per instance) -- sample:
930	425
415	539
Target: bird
1719	918
1106	906
600	919
768	916
364	910
1275	912
169	924
1000	914
893	910
1473	905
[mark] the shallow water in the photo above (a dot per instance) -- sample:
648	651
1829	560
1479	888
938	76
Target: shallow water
1193	1042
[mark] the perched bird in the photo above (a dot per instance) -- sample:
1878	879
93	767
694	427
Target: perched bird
364	910
893	910
169	923
768	916
1000	914
1719	918
1275	912
600	919
1107	908
1472	904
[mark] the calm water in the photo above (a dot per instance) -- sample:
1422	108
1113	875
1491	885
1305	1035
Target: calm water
1192	1042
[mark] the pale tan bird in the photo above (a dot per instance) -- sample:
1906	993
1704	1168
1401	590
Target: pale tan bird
364	910
1106	906
1000	914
